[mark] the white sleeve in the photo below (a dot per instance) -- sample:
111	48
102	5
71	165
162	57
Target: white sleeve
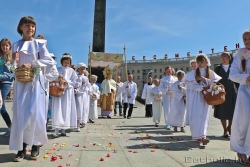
144	92
236	73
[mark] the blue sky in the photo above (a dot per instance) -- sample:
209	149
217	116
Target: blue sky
146	27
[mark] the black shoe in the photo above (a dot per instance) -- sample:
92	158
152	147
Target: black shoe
124	116
91	121
63	134
128	117
20	156
108	117
35	152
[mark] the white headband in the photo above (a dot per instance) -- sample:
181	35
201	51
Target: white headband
66	55
80	65
205	56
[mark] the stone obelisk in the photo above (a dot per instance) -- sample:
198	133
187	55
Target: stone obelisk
98	44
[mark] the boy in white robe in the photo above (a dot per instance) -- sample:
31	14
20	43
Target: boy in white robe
129	91
200	79
94	96
177	115
240	131
156	96
82	89
29	111
146	96
167	94
64	107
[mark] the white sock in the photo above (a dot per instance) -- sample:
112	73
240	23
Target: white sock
78	123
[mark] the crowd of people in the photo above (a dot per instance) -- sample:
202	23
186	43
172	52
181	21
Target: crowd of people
179	96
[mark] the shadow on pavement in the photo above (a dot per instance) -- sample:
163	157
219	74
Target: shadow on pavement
4	141
4	158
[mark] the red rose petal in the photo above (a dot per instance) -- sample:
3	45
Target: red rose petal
129	150
67	164
101	159
115	151
108	155
84	147
152	150
135	152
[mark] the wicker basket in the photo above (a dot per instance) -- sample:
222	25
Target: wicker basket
215	99
24	74
56	89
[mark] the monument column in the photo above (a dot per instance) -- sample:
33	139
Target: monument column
98	44
99	26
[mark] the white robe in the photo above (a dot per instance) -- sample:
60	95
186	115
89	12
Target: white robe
240	131
165	85
82	99
199	109
93	110
156	105
118	95
131	90
177	115
189	93
64	107
146	93
29	118
52	75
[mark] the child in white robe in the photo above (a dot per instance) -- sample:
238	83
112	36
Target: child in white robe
177	115
156	96
193	66
167	94
94	96
63	107
240	73
29	110
85	115
82	89
200	79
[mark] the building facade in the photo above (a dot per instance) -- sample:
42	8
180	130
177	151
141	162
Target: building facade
141	69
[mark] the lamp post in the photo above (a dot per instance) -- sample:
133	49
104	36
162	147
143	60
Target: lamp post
151	71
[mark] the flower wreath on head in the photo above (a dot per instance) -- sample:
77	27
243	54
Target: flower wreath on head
107	71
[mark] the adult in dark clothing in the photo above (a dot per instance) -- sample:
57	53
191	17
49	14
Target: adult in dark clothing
225	111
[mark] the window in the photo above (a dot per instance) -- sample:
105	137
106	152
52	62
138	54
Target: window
155	70
132	71
181	69
128	71
187	69
176	69
138	71
155	76
160	76
160	70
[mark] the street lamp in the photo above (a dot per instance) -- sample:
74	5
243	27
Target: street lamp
151	71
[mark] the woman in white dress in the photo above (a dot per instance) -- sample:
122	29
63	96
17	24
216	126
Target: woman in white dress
199	112
240	131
